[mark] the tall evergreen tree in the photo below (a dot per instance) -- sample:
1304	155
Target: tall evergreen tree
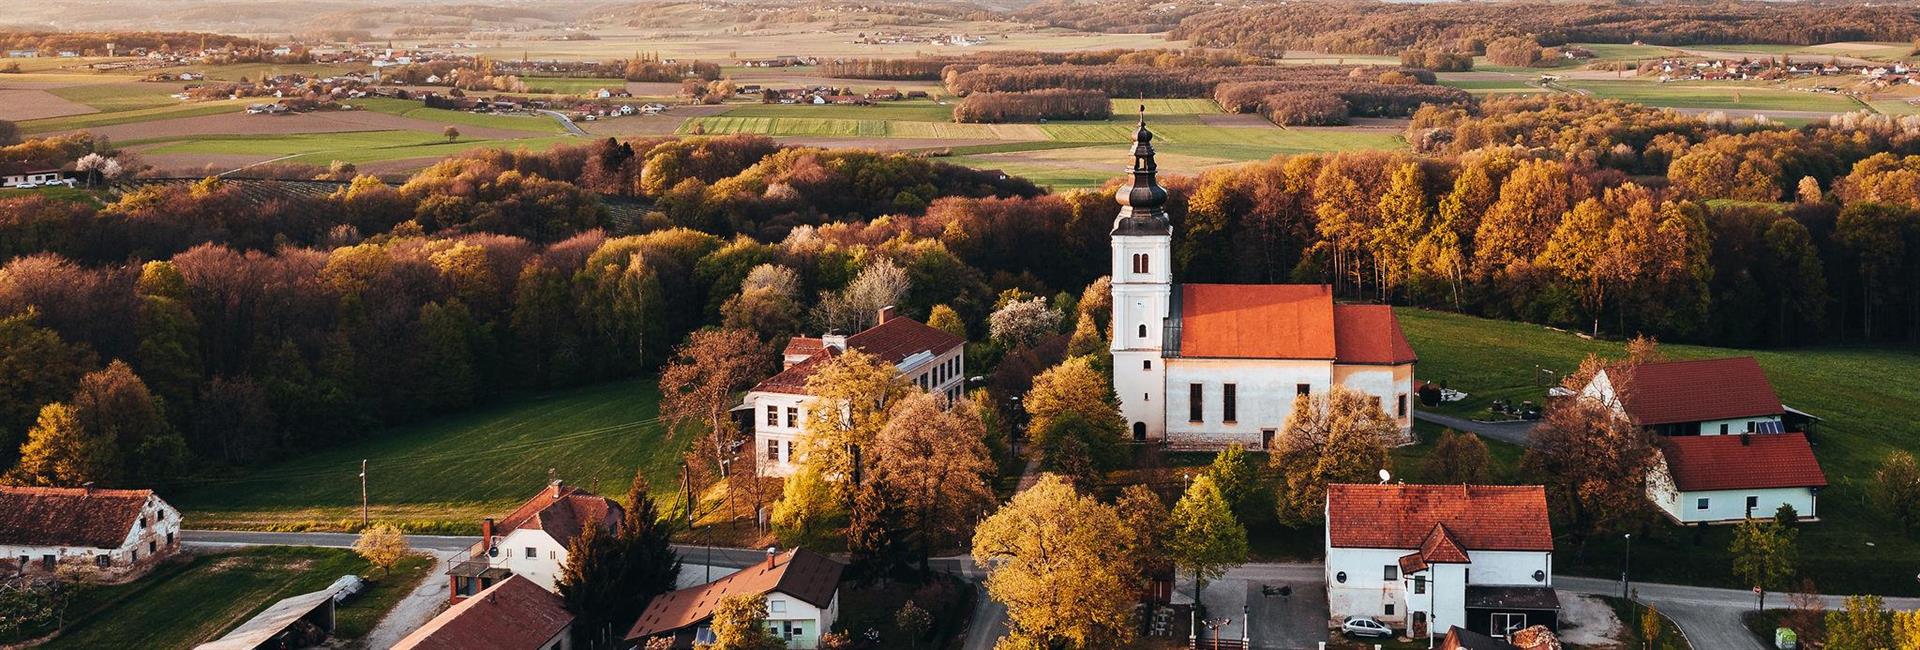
610	576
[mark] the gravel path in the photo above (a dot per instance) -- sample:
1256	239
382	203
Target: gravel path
414	610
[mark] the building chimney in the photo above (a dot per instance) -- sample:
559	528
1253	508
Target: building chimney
556	488
772	552
886	314
486	532
834	340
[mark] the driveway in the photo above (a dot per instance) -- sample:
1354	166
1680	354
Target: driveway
1516	433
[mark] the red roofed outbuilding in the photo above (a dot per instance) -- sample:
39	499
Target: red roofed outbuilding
1429	557
1723	479
514	614
1696	397
86	531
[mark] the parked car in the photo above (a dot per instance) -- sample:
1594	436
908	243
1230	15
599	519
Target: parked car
1363	626
347	587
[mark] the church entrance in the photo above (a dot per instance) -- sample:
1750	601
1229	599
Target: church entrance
1139	432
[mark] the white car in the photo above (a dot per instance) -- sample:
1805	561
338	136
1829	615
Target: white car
1363	626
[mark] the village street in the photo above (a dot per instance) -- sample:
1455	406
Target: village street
1710	617
1508	432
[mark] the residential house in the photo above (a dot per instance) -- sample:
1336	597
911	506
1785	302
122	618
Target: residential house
802	589
515	614
532	541
31	178
1687	398
1430	557
1720	479
776	408
1202	366
105	534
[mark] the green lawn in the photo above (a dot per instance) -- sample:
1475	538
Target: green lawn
572	85
904	111
414	109
195	600
1726	96
449	473
113	98
1123	107
1867	396
354	146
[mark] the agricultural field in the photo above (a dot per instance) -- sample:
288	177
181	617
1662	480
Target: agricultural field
413	109
447	474
356	147
192	600
1715	96
1864	395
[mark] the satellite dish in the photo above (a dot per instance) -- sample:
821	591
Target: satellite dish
493	551
1386	476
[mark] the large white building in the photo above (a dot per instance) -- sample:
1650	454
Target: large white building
1430	557
930	357
532	541
105	534
1208	365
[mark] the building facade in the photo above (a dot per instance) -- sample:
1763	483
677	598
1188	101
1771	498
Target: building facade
96	534
1205	366
801	589
532	541
1729	479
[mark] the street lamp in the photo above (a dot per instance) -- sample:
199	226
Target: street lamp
1626	566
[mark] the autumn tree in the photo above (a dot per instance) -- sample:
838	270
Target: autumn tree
768	303
913	622
1058	560
1594	462
1458	458
451	133
934	458
1205	537
382	545
1906	630
698	386
114	407
1764	553
59	452
1341	436
1073	386
1237	476
37	366
1146	520
1862	624
169	354
857	307
1023	322
852	397
806	501
947	320
1895	489
740	623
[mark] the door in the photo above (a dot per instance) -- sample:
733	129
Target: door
1506	623
1266	439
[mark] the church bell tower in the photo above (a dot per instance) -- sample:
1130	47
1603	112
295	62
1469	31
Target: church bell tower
1142	276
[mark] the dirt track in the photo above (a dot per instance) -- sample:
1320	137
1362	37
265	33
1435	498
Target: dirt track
240	123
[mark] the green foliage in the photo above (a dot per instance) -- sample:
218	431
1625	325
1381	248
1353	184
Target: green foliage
1895	489
1206	539
610	575
740	623
1862	625
36	367
1764	554
806	502
1238	477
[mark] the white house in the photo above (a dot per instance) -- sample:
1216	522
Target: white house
104	534
515	614
1208	365
532	542
1430	557
1684	398
1719	479
931	358
34	178
802	589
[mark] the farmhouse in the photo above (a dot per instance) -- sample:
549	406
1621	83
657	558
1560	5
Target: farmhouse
532	542
515	614
1688	398
1430	557
103	534
1203	366
1717	479
31	178
776	408
802	589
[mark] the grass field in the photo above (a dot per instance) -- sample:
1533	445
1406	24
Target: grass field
1723	96
1866	395
910	111
413	109
194	600
355	146
170	111
113	98
449	473
572	85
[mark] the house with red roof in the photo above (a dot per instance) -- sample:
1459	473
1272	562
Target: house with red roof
775	410
513	614
85	531
1426	558
1728	479
802	589
1702	397
532	541
1203	366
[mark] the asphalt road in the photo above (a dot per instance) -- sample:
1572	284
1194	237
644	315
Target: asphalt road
1508	432
439	544
1710	617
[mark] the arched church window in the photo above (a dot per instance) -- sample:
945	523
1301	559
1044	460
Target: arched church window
1143	263
1143	330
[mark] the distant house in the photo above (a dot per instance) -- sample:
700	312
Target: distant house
1688	398
775	408
1717	479
515	614
802	589
885	94
1430	557
532	541
108	534
31	178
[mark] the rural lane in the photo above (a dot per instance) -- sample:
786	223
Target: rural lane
1710	617
565	123
1508	432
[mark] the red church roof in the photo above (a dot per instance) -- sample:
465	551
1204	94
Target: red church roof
1476	517
1257	321
1369	334
1750	462
1697	391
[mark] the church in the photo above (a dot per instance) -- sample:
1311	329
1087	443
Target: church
1204	366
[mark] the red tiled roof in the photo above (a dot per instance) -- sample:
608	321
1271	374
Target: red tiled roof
802	346
1764	460
799	573
1696	391
793	379
892	342
1369	334
511	615
1440	546
1257	321
48	516
1477	517
562	515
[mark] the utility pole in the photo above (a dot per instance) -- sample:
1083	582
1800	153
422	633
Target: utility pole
363	493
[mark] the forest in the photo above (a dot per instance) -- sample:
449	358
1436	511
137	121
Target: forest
261	325
49	42
1033	105
1333	92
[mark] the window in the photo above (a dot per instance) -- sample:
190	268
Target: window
1749	426
169	539
46	562
553	555
153	547
1146	364
776	606
1196	396
103	560
1723	428
531	553
1701	504
1143	330
1419	584
789	450
1229	409
133	556
793	416
773	415
1752	503
773	450
1303	389
1144	266
1400	411
1390	572
1389	609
